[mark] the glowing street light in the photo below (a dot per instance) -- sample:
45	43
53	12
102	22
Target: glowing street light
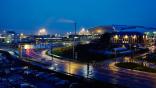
99	31
84	32
134	37
116	37
126	36
21	34
154	32
42	32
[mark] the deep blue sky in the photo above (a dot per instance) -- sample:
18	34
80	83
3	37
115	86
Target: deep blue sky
30	15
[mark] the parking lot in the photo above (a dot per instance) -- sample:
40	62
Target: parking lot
18	75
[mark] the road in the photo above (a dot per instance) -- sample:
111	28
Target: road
104	71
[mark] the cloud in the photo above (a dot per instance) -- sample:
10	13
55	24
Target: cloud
62	20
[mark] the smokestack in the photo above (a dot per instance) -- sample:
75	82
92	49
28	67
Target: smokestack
75	26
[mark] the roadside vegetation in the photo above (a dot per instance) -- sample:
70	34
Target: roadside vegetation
135	66
82	51
85	52
149	57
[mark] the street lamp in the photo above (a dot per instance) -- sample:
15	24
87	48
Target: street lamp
21	36
126	38
116	37
20	47
134	38
42	31
88	69
52	51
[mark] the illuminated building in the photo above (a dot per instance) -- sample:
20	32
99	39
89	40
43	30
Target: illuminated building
151	37
101	30
42	31
127	38
1	38
122	34
84	32
10	37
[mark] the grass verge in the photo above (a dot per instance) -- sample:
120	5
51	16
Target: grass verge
134	66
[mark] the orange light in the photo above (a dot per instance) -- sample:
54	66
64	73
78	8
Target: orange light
134	37
116	37
126	36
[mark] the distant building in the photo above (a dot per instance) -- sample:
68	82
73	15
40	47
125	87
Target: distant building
42	32
99	30
83	31
128	38
10	37
96	32
2	38
151	37
122	34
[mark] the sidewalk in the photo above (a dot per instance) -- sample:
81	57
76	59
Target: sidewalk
136	72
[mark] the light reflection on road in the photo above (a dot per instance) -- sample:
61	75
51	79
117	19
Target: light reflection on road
105	71
112	67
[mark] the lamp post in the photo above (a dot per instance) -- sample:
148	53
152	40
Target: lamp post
126	39
20	47
75	24
73	48
52	51
69	67
88	70
116	37
134	41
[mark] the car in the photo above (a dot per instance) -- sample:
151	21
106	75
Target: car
53	79
18	69
27	85
50	79
40	75
62	84
15	78
76	85
15	83
34	72
46	76
28	72
56	79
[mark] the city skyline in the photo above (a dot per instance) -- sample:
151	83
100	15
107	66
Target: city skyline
57	16
77	43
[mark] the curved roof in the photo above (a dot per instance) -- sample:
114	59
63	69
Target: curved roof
129	33
101	29
119	28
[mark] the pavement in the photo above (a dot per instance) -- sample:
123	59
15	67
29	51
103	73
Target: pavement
104	71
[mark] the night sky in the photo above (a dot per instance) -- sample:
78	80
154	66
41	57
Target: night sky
57	16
